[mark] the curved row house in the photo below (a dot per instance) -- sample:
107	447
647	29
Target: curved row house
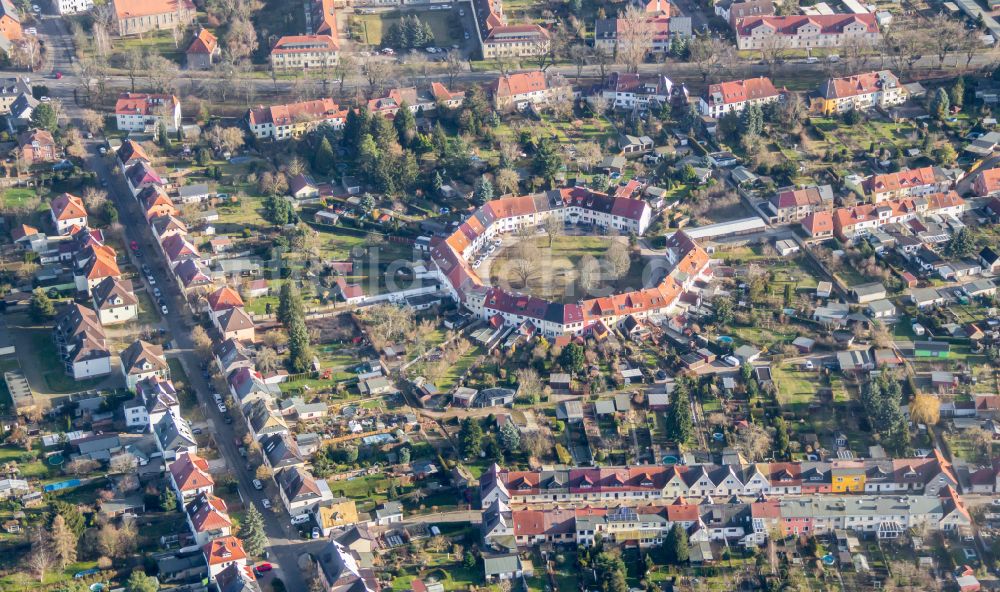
574	205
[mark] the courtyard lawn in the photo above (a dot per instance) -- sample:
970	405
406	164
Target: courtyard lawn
555	270
374	26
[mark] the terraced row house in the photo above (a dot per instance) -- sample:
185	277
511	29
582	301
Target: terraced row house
922	476
733	521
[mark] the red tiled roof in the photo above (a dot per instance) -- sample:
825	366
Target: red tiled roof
828	24
738	91
205	42
519	84
68	207
224	550
190	472
224	298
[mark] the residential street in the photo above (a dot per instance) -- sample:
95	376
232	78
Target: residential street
285	546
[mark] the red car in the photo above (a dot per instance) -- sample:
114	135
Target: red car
58	75
135	246
263	567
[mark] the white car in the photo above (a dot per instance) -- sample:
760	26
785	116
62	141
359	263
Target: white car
266	503
36	8
731	360
218	398
300	519
223	408
151	280
257	484
45	99
31	31
164	310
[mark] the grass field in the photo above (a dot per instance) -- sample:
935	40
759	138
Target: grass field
555	271
15	197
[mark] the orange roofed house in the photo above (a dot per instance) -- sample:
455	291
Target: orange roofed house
304	52
801	31
135	112
737	95
520	90
909	183
68	211
282	122
136	17
203	51
223	552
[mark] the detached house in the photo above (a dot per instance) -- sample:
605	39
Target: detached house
141	112
114	301
81	343
986	183
68	212
517	91
37	146
300	491
143	360
203	51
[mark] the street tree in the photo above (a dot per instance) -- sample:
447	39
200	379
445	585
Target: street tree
635	36
252	532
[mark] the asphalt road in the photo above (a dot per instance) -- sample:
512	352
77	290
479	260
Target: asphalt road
54	32
284	542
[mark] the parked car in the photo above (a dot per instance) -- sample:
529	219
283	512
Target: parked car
257	484
300	519
316	532
266	503
222	408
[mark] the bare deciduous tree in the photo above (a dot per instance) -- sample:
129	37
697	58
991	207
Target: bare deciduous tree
635	37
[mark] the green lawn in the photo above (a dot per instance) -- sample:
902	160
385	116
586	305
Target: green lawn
795	388
373	26
16	197
56	379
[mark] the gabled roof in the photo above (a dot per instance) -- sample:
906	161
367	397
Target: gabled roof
111	289
858	84
131	151
224	550
139	355
204	43
517	84
208	512
68	207
224	298
739	91
304	44
828	24
144	103
298	484
235	319
190	472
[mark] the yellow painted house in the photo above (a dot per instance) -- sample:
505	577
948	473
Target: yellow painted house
847	477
